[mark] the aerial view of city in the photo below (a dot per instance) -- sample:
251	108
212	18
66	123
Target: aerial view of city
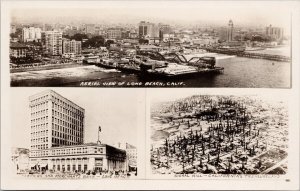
153	49
207	134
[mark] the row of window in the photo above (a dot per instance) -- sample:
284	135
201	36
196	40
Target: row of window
77	125
67	137
39	113
65	107
67	118
57	141
69	168
37	104
76	132
40	127
39	120
67	151
41	146
39	133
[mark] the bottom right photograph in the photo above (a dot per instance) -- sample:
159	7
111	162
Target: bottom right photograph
219	134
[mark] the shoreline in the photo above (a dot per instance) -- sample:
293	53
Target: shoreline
46	67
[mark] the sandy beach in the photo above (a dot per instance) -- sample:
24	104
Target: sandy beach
46	67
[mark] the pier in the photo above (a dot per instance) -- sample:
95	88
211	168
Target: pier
252	55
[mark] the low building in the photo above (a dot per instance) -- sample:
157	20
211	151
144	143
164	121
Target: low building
18	50
20	53
149	48
114	33
20	158
131	155
80	158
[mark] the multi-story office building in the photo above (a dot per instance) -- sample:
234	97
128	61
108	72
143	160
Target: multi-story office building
164	30
275	32
57	136
31	34
89	29
55	121
53	42
71	46
147	29
114	33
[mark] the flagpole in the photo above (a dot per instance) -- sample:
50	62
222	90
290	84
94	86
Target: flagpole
99	129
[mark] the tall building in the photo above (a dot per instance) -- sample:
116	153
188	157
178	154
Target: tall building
230	31
57	136
89	29
114	33
55	121
147	29
131	154
53	42
274	32
164	30
71	46
31	34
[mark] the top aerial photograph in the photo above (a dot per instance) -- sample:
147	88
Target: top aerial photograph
151	44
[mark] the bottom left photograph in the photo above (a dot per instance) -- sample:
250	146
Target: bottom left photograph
67	133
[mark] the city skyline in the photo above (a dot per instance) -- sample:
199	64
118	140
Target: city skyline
108	119
170	12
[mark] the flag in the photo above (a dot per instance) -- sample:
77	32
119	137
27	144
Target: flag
99	128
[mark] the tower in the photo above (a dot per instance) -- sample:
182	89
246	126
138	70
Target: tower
55	121
53	40
230	31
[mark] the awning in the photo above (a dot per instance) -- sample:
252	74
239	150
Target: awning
43	165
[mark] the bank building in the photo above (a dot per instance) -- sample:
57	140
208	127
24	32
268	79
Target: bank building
57	138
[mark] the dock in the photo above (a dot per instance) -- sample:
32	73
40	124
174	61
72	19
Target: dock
279	58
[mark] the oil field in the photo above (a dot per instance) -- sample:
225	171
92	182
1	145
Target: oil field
205	134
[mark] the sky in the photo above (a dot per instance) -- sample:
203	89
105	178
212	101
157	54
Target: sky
243	13
116	111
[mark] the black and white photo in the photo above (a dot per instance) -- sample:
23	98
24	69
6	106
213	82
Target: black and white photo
151	44
92	137
217	134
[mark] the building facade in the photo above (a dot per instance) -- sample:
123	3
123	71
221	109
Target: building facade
114	33
30	34
89	29
148	30
55	121
274	32
53	42
71	46
90	156
131	155
18	50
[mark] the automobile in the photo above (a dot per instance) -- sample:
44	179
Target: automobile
33	172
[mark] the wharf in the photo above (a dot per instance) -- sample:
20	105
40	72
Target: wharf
252	55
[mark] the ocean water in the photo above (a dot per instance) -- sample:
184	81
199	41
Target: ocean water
239	72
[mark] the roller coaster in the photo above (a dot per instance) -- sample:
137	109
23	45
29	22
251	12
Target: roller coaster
205	61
